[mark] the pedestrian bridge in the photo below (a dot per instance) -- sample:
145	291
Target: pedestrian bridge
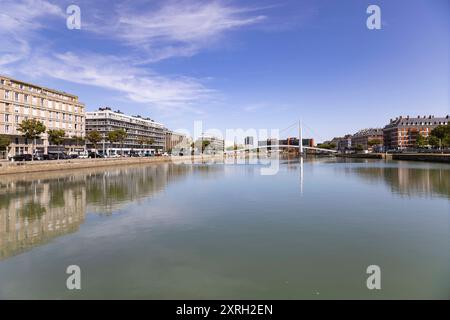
280	146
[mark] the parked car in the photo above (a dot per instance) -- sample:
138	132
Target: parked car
94	155
50	156
22	157
83	155
38	156
114	155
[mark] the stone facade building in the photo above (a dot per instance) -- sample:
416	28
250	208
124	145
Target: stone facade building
55	109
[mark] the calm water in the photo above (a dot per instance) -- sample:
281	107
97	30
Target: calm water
226	231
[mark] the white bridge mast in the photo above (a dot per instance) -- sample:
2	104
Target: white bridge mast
300	139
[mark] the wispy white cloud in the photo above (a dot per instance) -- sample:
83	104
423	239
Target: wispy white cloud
173	29
18	21
177	28
111	72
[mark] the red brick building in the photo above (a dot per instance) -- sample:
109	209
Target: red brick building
401	133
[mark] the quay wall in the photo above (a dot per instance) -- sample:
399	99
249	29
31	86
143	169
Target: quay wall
429	157
8	167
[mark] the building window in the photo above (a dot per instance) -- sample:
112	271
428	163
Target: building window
6	94
25	97
6	117
16	118
6	128
16	96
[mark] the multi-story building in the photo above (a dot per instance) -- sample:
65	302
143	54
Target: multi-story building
402	132
249	141
293	141
143	134
177	143
366	137
345	143
55	109
215	145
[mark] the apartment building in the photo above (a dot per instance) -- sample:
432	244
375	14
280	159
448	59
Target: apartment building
56	109
344	143
401	132
215	146
366	137
177	143
143	134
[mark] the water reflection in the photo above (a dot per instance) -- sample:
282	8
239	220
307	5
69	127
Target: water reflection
34	210
409	181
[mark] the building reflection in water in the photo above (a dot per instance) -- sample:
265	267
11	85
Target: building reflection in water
432	181
34	211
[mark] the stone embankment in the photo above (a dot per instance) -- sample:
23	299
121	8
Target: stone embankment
8	167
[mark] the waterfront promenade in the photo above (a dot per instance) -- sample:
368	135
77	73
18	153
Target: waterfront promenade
428	157
7	167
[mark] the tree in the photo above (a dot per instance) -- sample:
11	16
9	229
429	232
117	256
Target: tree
56	136
374	142
94	137
205	144
421	141
359	148
141	141
118	135
79	141
31	129
327	145
442	133
434	141
5	141
149	142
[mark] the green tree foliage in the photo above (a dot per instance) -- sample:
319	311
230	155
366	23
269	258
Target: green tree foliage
31	129
5	141
442	133
205	144
421	141
94	137
56	137
117	136
374	142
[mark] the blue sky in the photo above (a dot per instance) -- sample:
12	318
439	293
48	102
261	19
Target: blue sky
238	64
